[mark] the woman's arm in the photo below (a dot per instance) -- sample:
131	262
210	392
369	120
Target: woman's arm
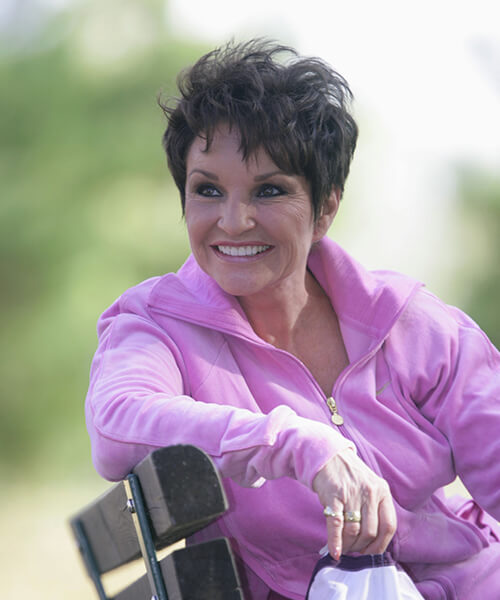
453	377
467	411
138	400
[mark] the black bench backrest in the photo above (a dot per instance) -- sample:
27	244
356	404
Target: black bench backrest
171	494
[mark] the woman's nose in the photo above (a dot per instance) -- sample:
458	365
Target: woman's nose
237	216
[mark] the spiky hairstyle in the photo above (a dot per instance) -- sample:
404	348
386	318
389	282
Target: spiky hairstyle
296	108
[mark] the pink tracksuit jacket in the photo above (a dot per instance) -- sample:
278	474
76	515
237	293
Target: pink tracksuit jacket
178	362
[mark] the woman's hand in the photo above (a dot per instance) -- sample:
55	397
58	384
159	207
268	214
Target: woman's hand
345	484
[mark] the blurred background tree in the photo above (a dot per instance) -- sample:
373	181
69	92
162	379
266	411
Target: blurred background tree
478	193
87	206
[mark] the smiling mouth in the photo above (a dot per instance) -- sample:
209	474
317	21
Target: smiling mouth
242	250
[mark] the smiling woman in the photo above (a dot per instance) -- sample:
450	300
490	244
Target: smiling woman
336	402
251	229
233	204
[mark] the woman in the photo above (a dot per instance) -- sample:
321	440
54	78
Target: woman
336	402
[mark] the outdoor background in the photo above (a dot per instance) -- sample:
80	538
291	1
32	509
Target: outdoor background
87	207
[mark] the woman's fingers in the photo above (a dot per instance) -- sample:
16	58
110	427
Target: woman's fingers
386	527
334	527
371	534
353	523
363	519
357	535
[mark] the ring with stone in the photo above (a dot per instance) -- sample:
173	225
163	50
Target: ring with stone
352	516
329	512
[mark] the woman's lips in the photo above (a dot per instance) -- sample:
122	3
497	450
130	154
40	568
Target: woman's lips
249	250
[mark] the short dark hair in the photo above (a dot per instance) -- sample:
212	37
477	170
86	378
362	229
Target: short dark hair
297	110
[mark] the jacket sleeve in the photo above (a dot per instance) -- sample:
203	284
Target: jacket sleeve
457	387
138	401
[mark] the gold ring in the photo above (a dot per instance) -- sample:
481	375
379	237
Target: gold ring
352	516
329	512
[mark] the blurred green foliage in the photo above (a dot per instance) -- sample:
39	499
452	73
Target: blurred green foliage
479	202
87	210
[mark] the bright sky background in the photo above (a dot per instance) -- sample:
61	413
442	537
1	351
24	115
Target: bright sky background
426	77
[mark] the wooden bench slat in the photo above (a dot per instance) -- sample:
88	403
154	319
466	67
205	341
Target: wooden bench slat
199	572
108	526
182	492
184	481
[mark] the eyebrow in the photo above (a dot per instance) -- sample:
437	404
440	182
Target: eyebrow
205	173
266	175
213	176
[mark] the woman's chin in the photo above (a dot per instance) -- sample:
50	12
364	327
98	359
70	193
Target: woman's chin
241	288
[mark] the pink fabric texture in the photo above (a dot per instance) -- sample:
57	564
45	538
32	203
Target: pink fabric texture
178	363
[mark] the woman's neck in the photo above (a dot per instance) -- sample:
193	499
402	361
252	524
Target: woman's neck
280	317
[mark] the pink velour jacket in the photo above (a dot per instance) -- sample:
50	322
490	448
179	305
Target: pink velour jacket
178	362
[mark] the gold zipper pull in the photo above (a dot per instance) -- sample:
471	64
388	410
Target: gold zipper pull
336	418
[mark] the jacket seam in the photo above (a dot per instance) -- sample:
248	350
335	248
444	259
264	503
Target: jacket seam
212	366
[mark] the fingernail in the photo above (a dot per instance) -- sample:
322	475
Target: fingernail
336	555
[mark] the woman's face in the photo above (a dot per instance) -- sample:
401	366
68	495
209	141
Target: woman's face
250	225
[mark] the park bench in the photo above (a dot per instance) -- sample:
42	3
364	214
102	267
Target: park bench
173	493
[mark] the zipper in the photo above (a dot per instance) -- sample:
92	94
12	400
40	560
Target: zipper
353	435
336	418
331	401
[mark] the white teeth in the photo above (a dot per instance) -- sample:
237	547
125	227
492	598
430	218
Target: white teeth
242	250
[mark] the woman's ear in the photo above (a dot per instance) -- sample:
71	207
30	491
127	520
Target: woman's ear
322	224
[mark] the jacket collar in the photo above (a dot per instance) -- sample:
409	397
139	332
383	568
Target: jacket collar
366	302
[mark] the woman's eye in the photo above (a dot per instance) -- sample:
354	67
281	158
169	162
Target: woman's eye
269	191
207	190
